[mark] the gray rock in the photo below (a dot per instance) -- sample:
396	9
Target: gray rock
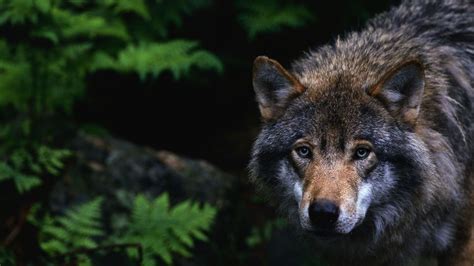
105	166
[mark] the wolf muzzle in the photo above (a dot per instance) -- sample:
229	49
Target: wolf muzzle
323	215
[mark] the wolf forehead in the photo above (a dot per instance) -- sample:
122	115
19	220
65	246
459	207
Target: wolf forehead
337	113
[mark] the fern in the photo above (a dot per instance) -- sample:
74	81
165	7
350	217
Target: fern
22	181
262	234
49	47
19	11
137	7
21	162
6	257
263	16
163	230
153	58
78	228
89	25
170	13
52	159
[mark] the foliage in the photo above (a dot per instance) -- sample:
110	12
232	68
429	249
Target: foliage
160	229
178	56
270	16
6	257
42	72
22	162
48	67
77	228
48	49
163	230
258	235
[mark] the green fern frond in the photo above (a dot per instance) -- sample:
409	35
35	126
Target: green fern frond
6	257
166	13
22	163
11	80
18	11
25	183
76	229
263	16
22	182
163	230
138	7
52	159
178	56
72	25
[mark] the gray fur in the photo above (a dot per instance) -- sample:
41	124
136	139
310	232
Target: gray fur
421	188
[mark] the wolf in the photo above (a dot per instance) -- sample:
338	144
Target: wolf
367	144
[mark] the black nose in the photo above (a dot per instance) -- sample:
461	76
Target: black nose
323	214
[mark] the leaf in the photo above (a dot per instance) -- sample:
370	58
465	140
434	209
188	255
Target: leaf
89	25
133	6
46	34
264	16
25	183
163	230
43	5
178	56
19	12
76	229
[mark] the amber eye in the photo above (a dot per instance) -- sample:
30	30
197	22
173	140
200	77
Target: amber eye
304	152
361	153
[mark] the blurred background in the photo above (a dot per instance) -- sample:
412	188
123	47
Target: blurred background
126	127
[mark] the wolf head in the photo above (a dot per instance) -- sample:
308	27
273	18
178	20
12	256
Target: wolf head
338	157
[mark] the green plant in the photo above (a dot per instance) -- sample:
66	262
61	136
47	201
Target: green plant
24	168
271	16
163	230
77	228
6	257
47	49
262	234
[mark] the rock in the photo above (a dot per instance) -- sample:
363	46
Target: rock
104	166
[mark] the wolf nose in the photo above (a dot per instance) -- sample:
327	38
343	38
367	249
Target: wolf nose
323	214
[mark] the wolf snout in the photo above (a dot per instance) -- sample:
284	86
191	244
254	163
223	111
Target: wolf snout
323	215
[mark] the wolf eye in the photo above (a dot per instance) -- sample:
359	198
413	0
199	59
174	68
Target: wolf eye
303	152
361	153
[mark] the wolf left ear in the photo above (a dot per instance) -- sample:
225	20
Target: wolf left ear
401	91
274	87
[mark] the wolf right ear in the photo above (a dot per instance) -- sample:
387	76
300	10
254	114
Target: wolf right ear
274	87
401	91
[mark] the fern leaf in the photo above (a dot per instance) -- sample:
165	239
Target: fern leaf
25	183
178	56
18	11
85	24
53	247
6	172
269	16
76	229
163	230
132	6
11	80
52	159
58	233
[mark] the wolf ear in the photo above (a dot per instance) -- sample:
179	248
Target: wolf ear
274	87
401	91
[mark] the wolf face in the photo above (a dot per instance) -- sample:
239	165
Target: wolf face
339	158
367	144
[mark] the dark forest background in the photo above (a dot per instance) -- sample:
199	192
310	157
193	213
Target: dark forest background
126	128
